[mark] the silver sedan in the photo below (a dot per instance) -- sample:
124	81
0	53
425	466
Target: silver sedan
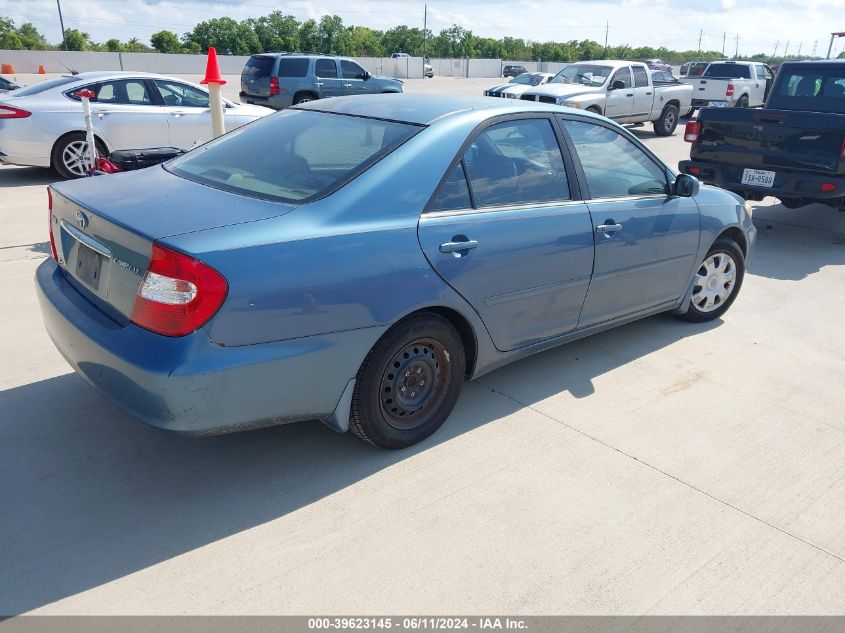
42	125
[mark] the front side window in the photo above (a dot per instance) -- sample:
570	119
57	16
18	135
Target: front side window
178	94
123	92
292	156
326	68
516	162
351	70
623	75
613	165
640	77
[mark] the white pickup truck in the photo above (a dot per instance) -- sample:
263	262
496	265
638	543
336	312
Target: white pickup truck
620	90
729	84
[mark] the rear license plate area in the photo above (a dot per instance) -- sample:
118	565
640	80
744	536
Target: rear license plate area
88	266
758	177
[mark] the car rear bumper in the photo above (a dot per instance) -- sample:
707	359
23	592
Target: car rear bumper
277	102
787	184
191	384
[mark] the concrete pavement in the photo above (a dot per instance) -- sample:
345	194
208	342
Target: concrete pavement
660	468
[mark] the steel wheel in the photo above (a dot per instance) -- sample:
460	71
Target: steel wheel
75	158
412	382
670	122
714	282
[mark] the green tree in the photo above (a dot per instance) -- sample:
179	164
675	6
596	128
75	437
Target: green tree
77	40
277	32
31	38
453	42
329	33
135	45
402	39
364	42
113	45
308	37
228	36
166	42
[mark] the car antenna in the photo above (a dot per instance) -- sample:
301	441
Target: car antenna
69	69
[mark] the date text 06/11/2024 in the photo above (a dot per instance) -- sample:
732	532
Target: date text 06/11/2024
418	623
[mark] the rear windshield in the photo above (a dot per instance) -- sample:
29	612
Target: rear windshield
293	156
258	67
811	89
45	85
729	71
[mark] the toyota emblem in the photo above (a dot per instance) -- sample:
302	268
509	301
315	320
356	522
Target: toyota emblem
81	220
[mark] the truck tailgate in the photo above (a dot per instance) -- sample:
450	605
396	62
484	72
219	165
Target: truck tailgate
772	139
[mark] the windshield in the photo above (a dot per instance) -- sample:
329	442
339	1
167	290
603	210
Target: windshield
46	85
292	156
527	79
585	74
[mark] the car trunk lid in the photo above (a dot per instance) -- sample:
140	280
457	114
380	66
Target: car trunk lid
104	229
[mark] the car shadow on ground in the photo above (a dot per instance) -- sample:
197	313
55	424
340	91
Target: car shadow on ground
24	176
795	243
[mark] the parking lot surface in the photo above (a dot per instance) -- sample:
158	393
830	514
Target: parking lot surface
659	468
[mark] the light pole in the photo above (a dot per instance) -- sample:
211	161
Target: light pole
62	23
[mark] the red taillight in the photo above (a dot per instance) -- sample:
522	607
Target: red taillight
695	171
274	86
692	131
178	294
842	150
730	91
50	224
827	187
8	112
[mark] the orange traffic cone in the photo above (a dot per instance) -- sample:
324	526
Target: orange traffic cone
212	69
7	69
41	70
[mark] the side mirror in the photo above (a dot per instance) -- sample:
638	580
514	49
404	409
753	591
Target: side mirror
617	84
365	75
685	186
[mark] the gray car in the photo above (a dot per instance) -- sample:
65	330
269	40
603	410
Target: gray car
279	80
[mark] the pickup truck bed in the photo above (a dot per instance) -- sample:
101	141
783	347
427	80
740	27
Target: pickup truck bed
793	149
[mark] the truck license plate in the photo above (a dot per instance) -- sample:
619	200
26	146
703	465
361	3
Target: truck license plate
758	177
717	104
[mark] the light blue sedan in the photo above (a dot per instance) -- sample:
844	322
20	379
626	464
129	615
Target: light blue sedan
353	260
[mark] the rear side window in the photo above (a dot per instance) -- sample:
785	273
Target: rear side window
292	156
325	68
453	193
640	77
812	89
258	67
293	67
613	165
517	162
728	71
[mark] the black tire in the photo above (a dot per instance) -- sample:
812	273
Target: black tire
722	246
304	97
57	157
594	109
743	102
668	121
424	347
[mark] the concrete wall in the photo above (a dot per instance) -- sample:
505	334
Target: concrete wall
28	62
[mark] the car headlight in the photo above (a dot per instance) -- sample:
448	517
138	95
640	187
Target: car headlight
510	95
569	104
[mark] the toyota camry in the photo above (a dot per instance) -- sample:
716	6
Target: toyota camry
354	260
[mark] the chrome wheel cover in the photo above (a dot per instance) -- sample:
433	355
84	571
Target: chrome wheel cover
714	282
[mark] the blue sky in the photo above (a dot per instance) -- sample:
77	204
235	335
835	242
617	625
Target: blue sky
673	23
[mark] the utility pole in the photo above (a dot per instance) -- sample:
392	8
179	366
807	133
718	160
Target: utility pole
736	54
724	36
815	46
62	23
425	32
606	32
800	44
775	54
786	48
700	35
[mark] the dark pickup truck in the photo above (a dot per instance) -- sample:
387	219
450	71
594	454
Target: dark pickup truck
793	148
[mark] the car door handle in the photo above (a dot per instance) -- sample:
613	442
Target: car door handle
648	94
318	83
456	247
347	85
607	229
630	94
